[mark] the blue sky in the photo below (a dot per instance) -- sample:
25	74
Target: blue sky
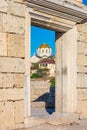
85	2
40	36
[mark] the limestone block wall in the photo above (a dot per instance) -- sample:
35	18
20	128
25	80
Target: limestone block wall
39	87
82	69
12	63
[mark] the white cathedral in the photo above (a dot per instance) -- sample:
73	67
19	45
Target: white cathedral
43	51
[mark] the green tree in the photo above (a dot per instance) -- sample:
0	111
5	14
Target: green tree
35	75
52	81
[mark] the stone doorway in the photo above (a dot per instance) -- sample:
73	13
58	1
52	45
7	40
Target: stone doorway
42	71
66	40
65	67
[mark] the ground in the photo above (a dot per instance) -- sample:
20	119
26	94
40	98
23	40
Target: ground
81	126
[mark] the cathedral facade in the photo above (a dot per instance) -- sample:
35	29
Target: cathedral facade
44	51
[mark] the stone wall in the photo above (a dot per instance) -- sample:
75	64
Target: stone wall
39	87
82	69
12	68
12	64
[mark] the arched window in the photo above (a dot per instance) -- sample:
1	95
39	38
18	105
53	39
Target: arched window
46	50
42	50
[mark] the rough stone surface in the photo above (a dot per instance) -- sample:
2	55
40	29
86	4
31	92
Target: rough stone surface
16	45
7	114
12	65
19	125
17	9
3	44
82	69
11	94
13	24
63	119
0	80
82	37
82	28
1	22
19	111
84	108
39	88
46	126
81	60
82	80
82	48
3	6
18	80
82	94
34	121
7	80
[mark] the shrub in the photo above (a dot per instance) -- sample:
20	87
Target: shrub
35	75
52	81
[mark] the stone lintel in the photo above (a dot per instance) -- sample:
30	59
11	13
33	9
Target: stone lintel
59	8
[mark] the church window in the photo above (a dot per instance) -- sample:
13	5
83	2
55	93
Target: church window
46	50
42	50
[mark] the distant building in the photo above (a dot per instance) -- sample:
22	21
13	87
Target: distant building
44	51
49	64
35	59
44	59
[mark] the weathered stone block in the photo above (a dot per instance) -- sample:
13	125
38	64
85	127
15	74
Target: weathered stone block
16	8
82	69
11	94
3	44
16	45
18	80
82	80
82	37
82	48
7	114
84	108
13	24
82	94
1	22
19	125
12	65
7	80
0	80
3	6
81	60
19	111
82	28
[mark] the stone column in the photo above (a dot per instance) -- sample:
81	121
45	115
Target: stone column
27	62
58	89
66	72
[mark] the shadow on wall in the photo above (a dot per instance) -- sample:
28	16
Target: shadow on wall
49	99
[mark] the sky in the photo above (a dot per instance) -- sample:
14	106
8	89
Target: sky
40	36
85	2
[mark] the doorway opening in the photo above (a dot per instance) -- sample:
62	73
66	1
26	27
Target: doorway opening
42	71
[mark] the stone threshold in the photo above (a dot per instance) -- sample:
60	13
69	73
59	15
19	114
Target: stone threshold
54	119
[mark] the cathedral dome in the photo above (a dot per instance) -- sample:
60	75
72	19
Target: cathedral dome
44	51
44	46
